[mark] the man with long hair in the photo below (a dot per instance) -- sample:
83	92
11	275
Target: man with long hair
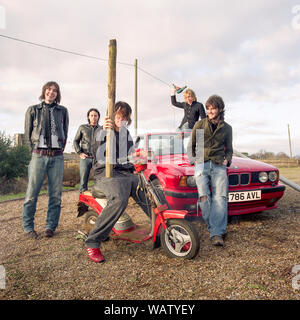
193	110
122	184
210	148
83	146
46	132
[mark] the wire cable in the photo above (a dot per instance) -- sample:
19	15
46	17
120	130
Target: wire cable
80	55
153	76
83	55
61	50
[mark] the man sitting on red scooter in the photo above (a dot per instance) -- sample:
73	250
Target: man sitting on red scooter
122	184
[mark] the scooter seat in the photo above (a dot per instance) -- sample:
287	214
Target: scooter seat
98	194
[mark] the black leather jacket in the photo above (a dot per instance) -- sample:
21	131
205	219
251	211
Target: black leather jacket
191	113
34	121
84	137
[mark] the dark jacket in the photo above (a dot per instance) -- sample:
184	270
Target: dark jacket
217	144
34	121
191	112
123	145
84	137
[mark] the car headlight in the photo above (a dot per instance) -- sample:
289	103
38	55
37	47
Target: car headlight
263	177
187	181
190	181
272	176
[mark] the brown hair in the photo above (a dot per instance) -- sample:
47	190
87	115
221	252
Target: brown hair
48	85
125	109
217	102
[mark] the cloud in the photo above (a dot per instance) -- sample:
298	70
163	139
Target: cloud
246	52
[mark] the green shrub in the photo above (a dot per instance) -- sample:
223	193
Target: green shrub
13	160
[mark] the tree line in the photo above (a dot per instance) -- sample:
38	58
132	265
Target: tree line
263	154
14	160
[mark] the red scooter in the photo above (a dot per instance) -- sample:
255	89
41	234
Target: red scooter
177	236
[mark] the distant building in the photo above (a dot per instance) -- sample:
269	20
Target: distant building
18	139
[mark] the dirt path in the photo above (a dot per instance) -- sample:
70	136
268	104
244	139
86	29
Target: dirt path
256	262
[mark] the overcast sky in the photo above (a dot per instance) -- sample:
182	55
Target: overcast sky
246	51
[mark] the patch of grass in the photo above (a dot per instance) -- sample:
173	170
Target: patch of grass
14	196
290	173
256	286
68	248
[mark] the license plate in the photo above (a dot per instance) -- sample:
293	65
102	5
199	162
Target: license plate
244	196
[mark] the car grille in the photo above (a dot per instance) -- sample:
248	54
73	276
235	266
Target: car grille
245	179
233	179
236	179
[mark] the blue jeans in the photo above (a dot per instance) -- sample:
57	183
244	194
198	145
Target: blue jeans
85	168
39	167
212	182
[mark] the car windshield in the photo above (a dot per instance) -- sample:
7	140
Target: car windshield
166	144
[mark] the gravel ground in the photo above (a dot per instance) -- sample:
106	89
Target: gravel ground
255	263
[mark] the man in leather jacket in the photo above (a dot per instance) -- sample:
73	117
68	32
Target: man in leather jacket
46	132
82	145
193	110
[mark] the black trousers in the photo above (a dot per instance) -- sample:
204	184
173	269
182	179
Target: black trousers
117	190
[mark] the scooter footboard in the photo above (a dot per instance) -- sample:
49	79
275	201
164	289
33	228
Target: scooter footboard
174	214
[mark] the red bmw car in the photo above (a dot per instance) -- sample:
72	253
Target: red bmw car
253	185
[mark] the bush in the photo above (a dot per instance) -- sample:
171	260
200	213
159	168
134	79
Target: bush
13	160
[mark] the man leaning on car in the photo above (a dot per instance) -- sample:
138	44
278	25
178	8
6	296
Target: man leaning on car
211	151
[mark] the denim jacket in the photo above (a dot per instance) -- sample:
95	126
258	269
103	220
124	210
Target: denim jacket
34	121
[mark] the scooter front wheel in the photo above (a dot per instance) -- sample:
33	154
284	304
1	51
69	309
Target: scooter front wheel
180	239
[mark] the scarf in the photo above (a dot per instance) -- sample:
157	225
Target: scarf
46	127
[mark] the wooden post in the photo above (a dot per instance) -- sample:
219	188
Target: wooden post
111	103
135	97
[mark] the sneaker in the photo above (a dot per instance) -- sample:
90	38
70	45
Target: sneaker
217	240
49	233
32	234
95	254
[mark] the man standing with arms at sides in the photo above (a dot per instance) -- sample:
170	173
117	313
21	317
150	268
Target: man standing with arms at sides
82	145
46	131
211	150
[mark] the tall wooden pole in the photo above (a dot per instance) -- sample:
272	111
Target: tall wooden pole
135	97
111	103
290	143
